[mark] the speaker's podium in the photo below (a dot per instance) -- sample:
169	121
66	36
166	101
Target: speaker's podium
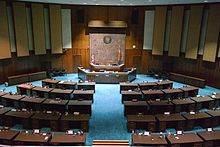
108	67
107	73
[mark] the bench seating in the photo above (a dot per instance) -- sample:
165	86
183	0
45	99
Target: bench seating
198	82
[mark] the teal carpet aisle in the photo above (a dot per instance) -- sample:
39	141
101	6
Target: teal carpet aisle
107	120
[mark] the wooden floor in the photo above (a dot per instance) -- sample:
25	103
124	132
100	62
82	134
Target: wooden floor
110	143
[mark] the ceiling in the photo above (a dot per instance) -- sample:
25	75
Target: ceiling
123	2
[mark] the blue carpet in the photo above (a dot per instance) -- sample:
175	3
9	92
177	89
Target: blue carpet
107	120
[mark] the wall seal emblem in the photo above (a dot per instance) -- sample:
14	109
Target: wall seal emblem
107	39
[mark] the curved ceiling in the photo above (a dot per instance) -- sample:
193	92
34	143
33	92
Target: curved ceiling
123	2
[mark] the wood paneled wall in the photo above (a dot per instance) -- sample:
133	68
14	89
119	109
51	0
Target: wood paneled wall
21	32
5	51
143	60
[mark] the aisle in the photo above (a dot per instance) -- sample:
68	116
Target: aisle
108	121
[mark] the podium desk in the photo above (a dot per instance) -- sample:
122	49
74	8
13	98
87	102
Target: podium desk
149	140
7	136
183	105
152	94
216	99
165	84
159	107
25	89
68	140
42	119
61	93
86	85
55	105
128	95
128	86
203	102
135	107
172	93
211	138
11	100
165	121
41	91
197	119
215	119
2	113
81	106
50	83
32	139
71	121
186	139
83	94
31	103
148	85
66	85
144	122
18	117
190	91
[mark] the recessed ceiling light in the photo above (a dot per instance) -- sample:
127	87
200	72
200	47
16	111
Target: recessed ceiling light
96	4
84	3
205	1
130	4
122	0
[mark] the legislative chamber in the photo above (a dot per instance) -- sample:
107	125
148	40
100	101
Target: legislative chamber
110	73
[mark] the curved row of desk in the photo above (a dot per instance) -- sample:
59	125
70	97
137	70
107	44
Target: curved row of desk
43	104
143	95
41	119
45	92
183	121
164	84
172	106
201	139
12	137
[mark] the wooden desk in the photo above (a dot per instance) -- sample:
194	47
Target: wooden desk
3	93
41	120
151	140
183	105
70	140
83	94
86	85
172	93
60	93
148	85
135	107
70	121
32	139
25	89
83	107
128	95
146	122
127	86
159	107
41	92
11	100
55	105
50	83
216	98
165	84
215	120
198	119
31	103
176	121
2	112
18	117
66	85
211	138
190	91
7	136
186	139
203	102
152	94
